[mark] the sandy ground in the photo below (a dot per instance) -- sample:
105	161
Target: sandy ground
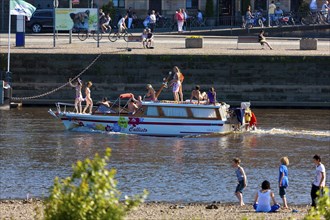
25	210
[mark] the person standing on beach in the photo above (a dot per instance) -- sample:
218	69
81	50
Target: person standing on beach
319	181
241	178
283	181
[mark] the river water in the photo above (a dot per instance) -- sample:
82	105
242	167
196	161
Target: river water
34	148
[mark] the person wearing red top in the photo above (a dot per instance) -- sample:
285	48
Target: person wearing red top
180	20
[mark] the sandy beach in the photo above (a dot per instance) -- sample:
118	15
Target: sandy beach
22	209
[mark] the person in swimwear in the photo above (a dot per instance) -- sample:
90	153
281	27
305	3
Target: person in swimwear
212	96
176	84
151	94
79	98
132	107
196	93
89	101
178	76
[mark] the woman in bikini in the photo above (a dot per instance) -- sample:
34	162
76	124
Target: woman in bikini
79	98
178	76
89	101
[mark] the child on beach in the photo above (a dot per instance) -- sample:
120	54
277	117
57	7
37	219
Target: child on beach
241	178
319	181
263	197
89	101
283	181
79	98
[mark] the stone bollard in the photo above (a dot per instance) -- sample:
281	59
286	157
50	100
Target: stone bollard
308	44
194	42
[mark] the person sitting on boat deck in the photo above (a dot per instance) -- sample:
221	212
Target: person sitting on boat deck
151	94
196	93
105	102
132	107
212	96
89	101
79	97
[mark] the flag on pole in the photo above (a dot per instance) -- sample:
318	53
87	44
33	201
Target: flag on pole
20	7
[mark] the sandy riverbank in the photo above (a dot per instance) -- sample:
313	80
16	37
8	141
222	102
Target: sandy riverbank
25	210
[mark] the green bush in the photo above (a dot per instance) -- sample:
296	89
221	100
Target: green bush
323	207
209	9
90	193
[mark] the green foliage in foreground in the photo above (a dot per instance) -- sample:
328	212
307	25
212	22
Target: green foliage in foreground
323	207
90	193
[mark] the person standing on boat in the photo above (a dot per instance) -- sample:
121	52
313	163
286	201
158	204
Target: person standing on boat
176	84
212	96
89	101
79	98
178	76
151	94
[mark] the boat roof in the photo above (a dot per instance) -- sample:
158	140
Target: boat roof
166	103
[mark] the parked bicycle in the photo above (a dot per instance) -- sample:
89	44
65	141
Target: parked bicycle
115	35
97	35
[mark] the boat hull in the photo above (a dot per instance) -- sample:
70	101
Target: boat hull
144	125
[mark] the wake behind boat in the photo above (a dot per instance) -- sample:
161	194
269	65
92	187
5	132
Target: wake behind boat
159	118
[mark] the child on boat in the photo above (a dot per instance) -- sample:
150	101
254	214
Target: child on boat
241	178
263	197
283	181
89	101
79	98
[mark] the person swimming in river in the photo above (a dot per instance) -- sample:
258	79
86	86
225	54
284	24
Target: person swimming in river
196	93
79	98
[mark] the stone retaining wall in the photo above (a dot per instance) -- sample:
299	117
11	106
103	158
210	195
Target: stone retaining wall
270	81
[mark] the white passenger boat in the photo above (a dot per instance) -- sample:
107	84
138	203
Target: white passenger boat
162	118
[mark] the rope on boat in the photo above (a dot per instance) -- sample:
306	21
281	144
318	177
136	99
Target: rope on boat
58	88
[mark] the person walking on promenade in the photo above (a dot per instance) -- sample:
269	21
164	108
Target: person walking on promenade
153	20
242	181
262	39
180	19
271	11
179	76
89	101
130	17
319	180
79	98
283	180
263	197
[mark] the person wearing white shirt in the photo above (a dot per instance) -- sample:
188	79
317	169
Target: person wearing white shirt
319	180
152	21
325	10
121	24
199	16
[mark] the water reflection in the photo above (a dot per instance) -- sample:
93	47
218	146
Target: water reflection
34	149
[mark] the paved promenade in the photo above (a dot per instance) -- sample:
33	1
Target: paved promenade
164	44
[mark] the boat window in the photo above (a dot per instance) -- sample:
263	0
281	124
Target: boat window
204	112
152	111
175	112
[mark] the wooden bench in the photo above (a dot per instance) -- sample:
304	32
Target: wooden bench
247	40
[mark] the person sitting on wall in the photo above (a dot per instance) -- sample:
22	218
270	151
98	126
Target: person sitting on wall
262	40
196	93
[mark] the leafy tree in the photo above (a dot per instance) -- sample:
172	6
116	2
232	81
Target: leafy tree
323	207
109	8
89	194
209	9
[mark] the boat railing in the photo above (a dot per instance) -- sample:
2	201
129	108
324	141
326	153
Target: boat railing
62	105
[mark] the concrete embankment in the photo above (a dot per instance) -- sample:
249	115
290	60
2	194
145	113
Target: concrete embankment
272	81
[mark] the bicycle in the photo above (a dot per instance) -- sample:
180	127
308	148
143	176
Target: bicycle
97	35
115	35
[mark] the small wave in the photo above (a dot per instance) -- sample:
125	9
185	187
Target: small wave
295	133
